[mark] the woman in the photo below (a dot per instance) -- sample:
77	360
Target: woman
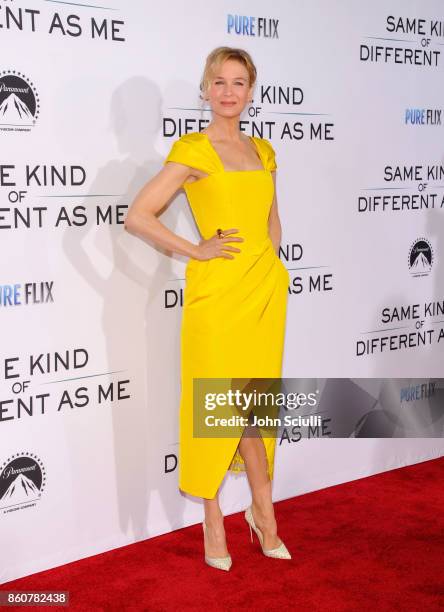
235	298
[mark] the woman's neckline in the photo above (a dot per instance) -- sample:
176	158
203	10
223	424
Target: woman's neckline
263	169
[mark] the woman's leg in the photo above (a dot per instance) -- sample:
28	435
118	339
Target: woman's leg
215	534
253	453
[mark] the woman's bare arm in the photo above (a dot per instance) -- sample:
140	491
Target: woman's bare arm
141	219
274	224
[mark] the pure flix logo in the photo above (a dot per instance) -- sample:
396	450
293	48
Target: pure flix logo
19	102
26	294
418	392
22	480
420	257
423	116
247	25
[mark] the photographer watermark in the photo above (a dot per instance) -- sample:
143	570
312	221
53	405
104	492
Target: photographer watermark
315	408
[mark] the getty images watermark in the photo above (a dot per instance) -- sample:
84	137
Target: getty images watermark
240	400
295	408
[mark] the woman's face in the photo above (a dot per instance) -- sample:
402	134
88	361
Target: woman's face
229	90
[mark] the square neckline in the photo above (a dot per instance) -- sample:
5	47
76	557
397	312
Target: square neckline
263	169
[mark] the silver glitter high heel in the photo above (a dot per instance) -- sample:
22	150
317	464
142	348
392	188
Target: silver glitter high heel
222	563
280	552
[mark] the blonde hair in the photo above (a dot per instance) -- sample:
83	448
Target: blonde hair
220	55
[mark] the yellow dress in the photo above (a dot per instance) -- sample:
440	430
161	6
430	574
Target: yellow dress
234	310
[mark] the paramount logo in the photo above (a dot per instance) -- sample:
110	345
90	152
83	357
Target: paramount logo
12	109
22	481
19	102
4	87
420	259
22	489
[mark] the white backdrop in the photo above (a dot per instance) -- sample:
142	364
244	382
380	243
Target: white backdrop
91	100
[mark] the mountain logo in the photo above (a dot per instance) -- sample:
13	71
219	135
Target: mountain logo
420	257
22	480
19	102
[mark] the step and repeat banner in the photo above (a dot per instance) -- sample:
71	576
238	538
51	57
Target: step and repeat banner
92	96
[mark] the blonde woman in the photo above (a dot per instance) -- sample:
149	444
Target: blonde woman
236	290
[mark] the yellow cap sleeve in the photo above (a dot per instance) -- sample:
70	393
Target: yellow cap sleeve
270	155
188	150
179	153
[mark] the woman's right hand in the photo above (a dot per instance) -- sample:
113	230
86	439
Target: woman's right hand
218	247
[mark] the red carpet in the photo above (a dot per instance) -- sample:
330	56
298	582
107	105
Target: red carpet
377	542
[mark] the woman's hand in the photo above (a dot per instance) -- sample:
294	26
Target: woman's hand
217	247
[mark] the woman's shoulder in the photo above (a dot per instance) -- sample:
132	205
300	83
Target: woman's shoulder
192	138
190	149
266	144
268	152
